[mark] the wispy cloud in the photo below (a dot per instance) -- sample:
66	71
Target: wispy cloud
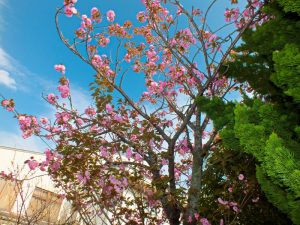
80	98
3	4
15	140
21	75
8	63
10	68
7	80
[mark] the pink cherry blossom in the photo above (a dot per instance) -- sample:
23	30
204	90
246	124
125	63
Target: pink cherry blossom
128	153
138	157
8	104
51	98
83	178
60	68
135	68
108	108
241	177
222	202
32	164
95	15
236	209
103	41
94	10
68	11
44	120
64	91
204	221
141	16
127	58
233	204
90	111
110	15
5	102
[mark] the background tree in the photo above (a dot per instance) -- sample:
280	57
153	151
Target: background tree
231	179
268	125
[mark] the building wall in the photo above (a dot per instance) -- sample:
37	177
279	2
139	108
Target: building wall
34	194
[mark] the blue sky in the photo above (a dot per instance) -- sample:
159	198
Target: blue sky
30	46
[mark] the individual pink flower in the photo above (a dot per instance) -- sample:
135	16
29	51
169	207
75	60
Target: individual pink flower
241	177
128	153
32	164
110	15
108	108
60	68
230	189
232	203
138	157
64	90
135	68
141	16
8	104
95	14
133	137
222	202
90	111
190	219
164	162
5	103
44	120
10	109
83	178
204	221
231	14
94	10
103	41
127	58
236	209
196	215
51	98
68	11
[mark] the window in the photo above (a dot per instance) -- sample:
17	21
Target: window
44	206
8	194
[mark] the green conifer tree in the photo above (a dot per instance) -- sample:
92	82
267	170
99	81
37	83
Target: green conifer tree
267	126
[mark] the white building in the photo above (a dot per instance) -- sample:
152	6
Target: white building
32	197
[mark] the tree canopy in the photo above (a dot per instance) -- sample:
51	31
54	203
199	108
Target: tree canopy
172	154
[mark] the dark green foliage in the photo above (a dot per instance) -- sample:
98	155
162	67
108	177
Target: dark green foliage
287	71
267	127
290	5
267	132
217	110
223	169
255	62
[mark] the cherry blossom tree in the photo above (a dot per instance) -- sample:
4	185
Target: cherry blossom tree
141	160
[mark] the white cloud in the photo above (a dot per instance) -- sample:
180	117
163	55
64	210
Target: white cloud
15	140
7	80
22	75
80	98
3	4
10	64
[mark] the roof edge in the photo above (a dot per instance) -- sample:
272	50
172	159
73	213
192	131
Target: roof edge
21	150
